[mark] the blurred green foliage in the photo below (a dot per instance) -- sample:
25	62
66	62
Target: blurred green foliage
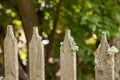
86	19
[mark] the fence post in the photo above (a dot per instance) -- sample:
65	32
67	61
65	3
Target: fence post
36	57
68	58
10	55
104	63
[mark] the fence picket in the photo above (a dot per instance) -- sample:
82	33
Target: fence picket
68	58
10	55
36	57
116	42
104	63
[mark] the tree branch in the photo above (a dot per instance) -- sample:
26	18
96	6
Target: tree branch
49	47
51	36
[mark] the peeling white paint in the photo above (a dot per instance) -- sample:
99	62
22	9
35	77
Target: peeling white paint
73	45
112	50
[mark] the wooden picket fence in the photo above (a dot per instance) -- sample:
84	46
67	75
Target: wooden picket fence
104	63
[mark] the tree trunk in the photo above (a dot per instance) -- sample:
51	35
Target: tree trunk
28	15
29	19
51	38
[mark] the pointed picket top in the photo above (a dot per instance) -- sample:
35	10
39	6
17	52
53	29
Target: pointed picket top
104	63
70	41
36	57
10	55
9	32
36	34
104	40
67	34
68	58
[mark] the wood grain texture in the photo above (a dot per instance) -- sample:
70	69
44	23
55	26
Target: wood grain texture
116	43
104	63
10	55
36	57
67	59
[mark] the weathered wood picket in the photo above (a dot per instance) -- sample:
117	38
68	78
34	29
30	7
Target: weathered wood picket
68	58
116	42
10	56
104	62
36	57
